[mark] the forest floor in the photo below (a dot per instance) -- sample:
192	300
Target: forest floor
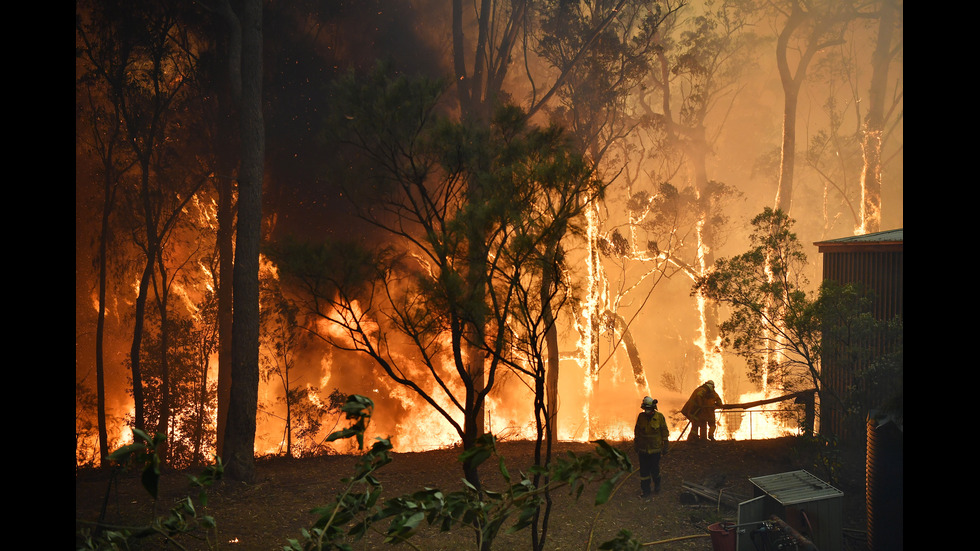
264	515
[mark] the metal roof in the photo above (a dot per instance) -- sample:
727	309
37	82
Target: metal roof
890	239
795	487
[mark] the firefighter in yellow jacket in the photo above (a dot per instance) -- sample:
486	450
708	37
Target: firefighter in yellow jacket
651	438
700	410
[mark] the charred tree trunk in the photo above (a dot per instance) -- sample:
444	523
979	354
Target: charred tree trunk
202	401
226	263
108	201
550	389
99	346
875	121
136	371
543	416
639	375
240	430
163	298
230	97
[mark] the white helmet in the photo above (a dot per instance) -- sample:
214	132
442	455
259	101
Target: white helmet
648	403
710	384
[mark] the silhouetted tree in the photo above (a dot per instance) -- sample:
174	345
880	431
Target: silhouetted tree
144	61
880	110
436	187
807	28
239	440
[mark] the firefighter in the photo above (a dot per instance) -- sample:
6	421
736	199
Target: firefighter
700	411
651	438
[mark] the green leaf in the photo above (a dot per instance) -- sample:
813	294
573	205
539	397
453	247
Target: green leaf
151	477
121	454
503	470
142	435
605	491
344	433
359	529
404	528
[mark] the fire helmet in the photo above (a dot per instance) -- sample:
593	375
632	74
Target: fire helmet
648	403
710	384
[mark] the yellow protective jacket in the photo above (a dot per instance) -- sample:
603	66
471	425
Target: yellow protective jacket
650	435
701	405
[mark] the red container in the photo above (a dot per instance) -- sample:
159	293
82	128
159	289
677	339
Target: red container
722	536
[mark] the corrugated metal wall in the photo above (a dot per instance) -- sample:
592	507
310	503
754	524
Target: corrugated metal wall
880	269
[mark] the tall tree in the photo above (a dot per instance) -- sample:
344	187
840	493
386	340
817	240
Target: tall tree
773	321
146	61
879	106
436	187
279	347
807	29
701	66
531	273
224	70
601	51
783	330
99	126
239	442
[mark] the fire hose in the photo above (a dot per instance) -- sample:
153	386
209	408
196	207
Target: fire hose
681	435
671	540
774	535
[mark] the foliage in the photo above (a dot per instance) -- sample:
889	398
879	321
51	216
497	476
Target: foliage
603	51
182	387
473	208
773	322
281	340
483	511
857	342
623	541
183	518
823	453
783	331
86	427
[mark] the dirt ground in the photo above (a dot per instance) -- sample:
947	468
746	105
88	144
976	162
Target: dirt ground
262	516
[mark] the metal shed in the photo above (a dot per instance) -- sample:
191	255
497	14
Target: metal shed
809	505
875	261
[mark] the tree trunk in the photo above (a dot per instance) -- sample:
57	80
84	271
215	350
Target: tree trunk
791	91
551	342
594	301
202	401
107	204
875	122
787	163
639	375
134	349
226	259
231	98
240	430
163	426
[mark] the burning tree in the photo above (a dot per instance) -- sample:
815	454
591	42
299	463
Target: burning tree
773	322
139	69
282	340
784	330
152	82
470	209
602	51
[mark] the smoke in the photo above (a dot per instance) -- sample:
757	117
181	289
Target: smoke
305	52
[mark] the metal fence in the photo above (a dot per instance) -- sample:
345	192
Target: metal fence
749	424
